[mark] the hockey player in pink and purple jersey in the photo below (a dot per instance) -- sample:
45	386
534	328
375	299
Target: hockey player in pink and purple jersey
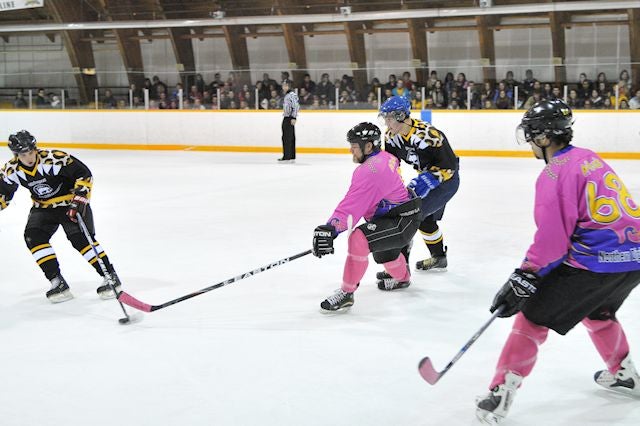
391	211
582	265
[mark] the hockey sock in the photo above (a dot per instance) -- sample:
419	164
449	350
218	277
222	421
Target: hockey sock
610	341
398	269
80	243
432	237
520	352
43	253
357	261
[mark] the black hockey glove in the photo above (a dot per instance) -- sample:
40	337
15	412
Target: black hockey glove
78	205
323	237
515	292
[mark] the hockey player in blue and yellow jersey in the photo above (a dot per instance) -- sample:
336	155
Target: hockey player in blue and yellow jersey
427	150
60	187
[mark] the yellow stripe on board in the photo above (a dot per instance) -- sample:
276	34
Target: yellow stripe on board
304	150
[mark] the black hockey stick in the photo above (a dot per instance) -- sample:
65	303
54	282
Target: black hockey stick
426	366
106	273
128	299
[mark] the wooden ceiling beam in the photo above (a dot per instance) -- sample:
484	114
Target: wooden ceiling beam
558	45
80	52
357	53
418	38
487	47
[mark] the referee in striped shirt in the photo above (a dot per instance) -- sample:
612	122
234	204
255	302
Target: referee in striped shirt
290	107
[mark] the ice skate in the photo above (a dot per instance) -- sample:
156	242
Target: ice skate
59	291
388	284
492	408
436	264
105	291
625	380
338	300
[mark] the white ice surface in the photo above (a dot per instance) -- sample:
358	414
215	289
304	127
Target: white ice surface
259	352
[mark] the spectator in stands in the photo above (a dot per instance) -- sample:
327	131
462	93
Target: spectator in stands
438	95
325	89
602	78
455	97
587	104
194	93
573	100
345	98
216	82
527	84
56	102
622	96
400	90
158	86
160	91
309	85
373	87
176	93
306	98
433	77
634	103
503	101
407	82
584	87
262	91
461	85
596	100
416	102
19	101
624	82
231	82
199	83
197	104
109	101
488	104
536	96
136	91
502	87
41	99
147	85
163	101
606	103
511	82
547	91
624	104
603	89
386	94
488	91
476	99
347	83
391	83
448	84
556	93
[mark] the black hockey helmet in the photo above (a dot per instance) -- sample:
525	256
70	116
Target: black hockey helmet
546	118
363	133
22	142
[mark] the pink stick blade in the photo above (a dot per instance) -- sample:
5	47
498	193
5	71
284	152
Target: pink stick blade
426	370
129	300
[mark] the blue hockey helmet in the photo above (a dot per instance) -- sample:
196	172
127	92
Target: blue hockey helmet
398	107
22	142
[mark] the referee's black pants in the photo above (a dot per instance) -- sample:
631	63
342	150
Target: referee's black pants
288	139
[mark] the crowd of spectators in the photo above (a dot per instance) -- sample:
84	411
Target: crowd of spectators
448	93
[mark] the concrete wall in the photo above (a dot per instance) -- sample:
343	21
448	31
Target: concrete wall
470	133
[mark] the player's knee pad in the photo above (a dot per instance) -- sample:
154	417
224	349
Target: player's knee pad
523	326
358	244
35	237
594	325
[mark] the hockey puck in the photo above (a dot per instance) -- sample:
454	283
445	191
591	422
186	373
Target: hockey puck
123	320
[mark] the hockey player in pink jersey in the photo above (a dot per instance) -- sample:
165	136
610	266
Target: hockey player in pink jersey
391	211
582	265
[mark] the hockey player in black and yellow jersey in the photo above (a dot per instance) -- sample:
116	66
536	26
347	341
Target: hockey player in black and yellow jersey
60	187
427	149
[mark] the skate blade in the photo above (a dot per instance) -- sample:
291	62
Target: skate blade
60	297
340	311
487	417
431	270
623	391
108	294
